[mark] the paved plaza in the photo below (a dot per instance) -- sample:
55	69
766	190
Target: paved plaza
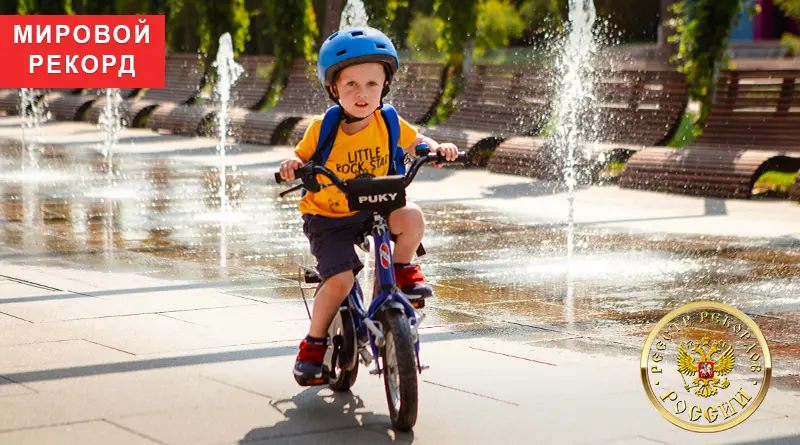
134	311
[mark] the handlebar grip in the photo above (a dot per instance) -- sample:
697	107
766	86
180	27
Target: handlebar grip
278	178
440	159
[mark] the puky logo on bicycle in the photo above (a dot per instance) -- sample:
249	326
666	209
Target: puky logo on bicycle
374	199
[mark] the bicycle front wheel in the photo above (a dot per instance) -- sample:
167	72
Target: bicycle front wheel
399	362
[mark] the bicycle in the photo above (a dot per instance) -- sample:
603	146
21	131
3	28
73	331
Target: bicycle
390	325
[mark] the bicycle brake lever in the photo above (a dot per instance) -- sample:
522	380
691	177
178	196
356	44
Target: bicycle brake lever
291	190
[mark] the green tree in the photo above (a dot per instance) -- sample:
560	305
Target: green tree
183	23
703	30
422	35
792	9
405	15
457	23
383	12
33	7
219	17
498	21
295	41
541	17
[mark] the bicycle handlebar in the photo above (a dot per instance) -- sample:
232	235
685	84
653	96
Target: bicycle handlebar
310	170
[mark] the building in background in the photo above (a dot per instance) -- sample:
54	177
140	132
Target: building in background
767	26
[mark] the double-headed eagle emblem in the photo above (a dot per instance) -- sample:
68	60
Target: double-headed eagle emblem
707	368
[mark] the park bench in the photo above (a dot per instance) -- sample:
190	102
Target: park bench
753	127
184	77
414	91
794	194
247	93
302	96
9	101
634	108
498	102
70	105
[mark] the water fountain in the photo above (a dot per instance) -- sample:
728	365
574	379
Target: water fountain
574	71
353	14
111	123
228	72
574	100
33	116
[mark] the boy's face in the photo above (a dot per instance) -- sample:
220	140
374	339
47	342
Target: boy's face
360	87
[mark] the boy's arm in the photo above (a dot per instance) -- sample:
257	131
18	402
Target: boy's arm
449	150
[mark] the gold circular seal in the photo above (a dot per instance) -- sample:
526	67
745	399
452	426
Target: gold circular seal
706	366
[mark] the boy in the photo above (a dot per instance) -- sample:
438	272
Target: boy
355	67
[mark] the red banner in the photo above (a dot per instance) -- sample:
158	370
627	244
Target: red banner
82	51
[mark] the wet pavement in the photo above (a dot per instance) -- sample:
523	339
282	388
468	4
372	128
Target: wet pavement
497	260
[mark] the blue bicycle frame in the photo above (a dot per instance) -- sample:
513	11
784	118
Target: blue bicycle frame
386	294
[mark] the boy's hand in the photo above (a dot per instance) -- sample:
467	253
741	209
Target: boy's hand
449	150
289	166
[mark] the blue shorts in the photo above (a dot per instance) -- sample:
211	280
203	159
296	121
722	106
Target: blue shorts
332	242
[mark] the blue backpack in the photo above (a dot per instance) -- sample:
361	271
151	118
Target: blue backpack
330	126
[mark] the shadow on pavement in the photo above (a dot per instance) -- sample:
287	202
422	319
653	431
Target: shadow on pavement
786	440
311	416
192	360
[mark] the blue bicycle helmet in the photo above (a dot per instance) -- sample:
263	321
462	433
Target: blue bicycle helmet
353	46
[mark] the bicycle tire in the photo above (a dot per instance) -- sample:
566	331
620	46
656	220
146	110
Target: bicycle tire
399	361
346	369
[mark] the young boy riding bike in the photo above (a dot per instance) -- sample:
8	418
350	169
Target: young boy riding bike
356	67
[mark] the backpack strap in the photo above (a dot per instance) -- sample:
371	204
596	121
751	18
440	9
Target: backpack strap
330	126
327	134
397	165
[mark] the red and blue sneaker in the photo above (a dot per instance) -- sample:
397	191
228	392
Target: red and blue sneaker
308	367
411	281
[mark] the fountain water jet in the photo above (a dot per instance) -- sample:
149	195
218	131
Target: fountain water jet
574	113
111	123
228	72
354	14
33	116
574	101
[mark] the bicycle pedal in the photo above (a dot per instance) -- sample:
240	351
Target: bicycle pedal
324	380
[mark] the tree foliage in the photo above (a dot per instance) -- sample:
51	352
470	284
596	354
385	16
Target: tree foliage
541	17
457	23
289	42
382	13
703	30
219	17
35	7
498	21
422	35
792	9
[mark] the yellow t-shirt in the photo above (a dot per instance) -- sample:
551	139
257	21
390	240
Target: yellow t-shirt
363	154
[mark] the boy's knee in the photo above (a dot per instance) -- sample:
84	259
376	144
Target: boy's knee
408	217
340	284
